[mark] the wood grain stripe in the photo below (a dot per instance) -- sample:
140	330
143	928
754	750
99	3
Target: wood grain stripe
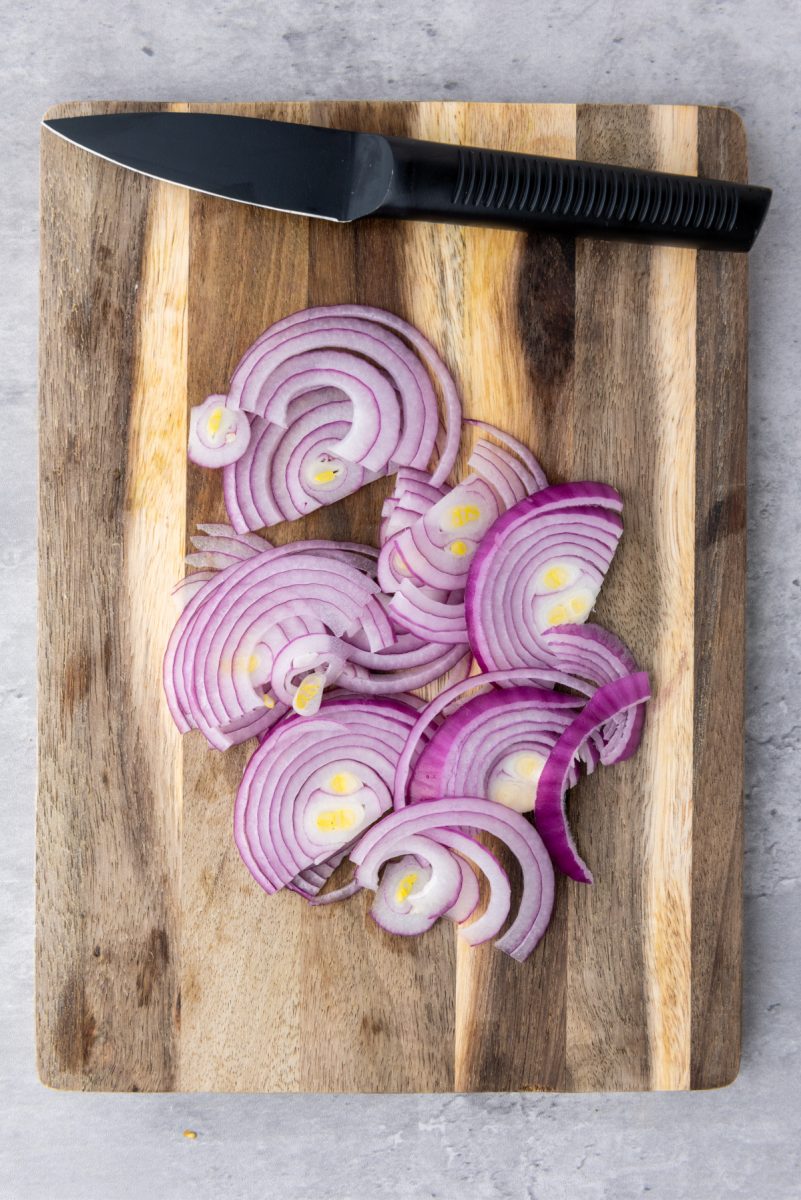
666	756
510	1017
634	424
717	830
112	440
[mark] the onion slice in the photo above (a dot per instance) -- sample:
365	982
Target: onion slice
315	783
218	435
541	565
458	689
390	838
495	746
608	703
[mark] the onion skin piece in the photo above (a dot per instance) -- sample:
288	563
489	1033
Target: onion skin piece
550	818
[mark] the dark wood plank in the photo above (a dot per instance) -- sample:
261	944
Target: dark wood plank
721	340
520	303
106	967
632	427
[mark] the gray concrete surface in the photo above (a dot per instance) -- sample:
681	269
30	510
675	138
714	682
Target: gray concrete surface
739	1143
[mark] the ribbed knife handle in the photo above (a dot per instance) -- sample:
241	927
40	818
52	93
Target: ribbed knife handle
467	185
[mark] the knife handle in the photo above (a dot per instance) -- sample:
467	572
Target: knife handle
465	185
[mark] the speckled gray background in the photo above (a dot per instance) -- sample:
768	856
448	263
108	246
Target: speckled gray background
741	1142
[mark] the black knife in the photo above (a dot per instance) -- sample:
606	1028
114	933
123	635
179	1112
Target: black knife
342	176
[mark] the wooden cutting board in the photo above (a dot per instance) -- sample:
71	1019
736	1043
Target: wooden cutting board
160	963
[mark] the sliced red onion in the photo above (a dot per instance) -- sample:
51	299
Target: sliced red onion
595	654
495	745
372	326
439	621
418	889
457	690
491	921
390	837
218	435
610	702
535	471
466	902
188	587
541	565
303	667
342	893
222	649
390	683
435	550
315	783
308	883
336	396
289	472
413	496
219	549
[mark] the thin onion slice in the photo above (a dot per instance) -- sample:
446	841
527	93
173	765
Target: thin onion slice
540	565
315	783
608	703
389	838
495	745
457	690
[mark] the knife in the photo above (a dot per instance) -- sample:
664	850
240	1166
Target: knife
340	175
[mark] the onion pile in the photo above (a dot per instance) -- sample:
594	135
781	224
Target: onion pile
316	648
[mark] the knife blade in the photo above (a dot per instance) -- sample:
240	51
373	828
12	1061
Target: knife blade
341	175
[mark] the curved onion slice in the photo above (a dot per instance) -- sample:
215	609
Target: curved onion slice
368	326
608	703
452	694
218	435
222	650
595	654
494	746
309	882
529	462
286	473
390	837
541	565
470	892
188	587
418	889
436	549
218	546
389	683
335	396
314	784
490	922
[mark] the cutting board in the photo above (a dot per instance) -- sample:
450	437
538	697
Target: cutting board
160	963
